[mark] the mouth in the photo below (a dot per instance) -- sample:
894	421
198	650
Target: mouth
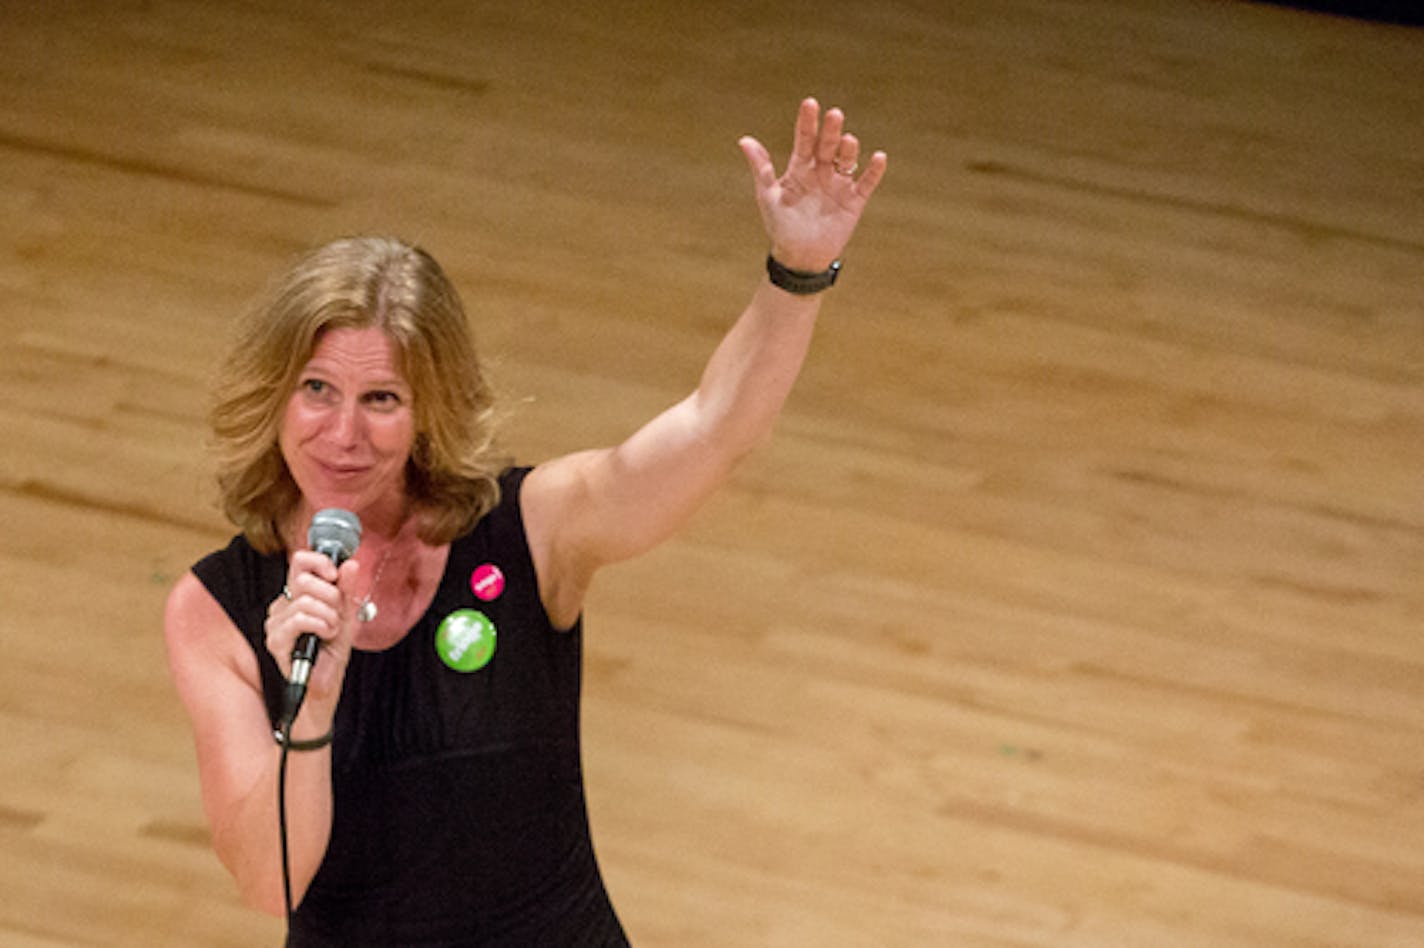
342	471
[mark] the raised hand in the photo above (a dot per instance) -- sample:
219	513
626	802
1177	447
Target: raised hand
812	208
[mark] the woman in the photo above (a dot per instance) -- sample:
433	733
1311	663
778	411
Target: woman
432	775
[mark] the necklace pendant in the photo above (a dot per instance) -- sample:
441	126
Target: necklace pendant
367	611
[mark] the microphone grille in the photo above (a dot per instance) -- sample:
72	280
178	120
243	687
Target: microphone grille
336	533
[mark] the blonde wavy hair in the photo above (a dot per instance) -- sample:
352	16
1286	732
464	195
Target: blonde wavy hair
452	473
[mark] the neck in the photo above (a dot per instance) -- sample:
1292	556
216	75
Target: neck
388	594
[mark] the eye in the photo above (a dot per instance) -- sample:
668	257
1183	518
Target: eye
316	392
384	400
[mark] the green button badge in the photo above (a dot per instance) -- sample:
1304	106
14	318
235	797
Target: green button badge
465	640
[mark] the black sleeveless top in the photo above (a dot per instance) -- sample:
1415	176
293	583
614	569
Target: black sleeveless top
459	813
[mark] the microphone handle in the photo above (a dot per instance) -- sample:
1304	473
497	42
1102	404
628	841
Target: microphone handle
303	658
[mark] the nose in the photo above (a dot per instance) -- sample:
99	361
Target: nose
346	424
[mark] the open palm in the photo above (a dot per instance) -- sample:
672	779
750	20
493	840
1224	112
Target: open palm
812	208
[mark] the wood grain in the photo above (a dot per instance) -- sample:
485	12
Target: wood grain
1078	601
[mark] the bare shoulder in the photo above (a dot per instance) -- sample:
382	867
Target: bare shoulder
204	647
553	483
190	617
556	491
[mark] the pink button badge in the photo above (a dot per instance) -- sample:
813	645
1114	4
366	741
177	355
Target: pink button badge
487	582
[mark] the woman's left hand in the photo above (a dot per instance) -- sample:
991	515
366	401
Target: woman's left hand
811	210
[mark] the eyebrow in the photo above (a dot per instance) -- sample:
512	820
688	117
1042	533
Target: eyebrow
393	381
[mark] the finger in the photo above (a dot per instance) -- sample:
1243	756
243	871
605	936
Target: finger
830	137
304	607
306	610
283	629
759	160
847	154
869	180
309	588
310	561
807	118
348	580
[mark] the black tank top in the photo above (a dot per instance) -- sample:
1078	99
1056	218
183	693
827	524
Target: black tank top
459	812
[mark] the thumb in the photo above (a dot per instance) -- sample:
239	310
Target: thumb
348	577
759	160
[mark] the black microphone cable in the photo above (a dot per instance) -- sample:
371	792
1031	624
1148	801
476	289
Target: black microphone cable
283	735
282	824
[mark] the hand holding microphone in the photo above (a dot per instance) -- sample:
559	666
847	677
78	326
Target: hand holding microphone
335	534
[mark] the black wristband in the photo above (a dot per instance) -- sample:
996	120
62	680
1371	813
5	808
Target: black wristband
801	282
316	743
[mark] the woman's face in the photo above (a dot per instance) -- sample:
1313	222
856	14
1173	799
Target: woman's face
348	428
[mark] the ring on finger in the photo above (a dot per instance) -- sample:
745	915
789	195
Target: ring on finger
843	169
286	592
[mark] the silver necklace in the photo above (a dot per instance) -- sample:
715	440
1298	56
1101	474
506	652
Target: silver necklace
367	611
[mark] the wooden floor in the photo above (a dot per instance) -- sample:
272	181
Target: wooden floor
1079	600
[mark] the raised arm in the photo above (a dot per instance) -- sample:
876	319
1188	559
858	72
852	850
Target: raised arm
586	510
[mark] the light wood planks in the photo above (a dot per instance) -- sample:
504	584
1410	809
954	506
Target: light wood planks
1077	602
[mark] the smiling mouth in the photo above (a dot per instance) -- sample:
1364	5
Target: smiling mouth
343	470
